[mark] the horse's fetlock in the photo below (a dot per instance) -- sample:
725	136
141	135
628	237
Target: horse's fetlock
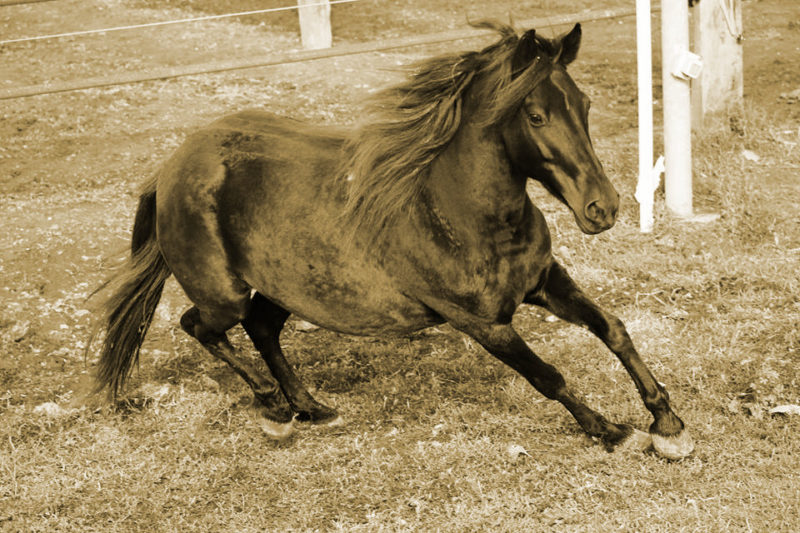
667	425
275	403
657	402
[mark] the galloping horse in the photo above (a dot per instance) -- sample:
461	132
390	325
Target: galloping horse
416	217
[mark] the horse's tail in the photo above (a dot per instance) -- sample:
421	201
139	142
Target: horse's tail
136	290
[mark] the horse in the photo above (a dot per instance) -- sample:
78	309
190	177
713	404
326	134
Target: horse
416	216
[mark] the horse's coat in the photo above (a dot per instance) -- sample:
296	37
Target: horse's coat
420	216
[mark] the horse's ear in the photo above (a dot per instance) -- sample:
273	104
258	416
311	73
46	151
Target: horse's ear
526	50
570	43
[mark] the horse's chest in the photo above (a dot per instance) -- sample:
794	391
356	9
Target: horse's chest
489	273
505	284
485	283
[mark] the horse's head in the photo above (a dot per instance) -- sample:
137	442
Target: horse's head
547	137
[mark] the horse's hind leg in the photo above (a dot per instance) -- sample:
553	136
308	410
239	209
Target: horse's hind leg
561	296
271	403
193	246
263	324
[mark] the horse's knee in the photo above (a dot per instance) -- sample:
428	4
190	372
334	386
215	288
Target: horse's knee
617	337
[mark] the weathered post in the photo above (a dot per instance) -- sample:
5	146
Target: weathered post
717	38
315	23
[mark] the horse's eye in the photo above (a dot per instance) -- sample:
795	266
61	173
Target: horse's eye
536	119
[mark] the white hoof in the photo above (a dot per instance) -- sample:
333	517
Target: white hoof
274	430
676	447
333	423
637	441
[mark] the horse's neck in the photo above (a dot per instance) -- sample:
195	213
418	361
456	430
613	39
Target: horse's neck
471	183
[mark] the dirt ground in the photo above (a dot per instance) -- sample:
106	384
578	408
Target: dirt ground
715	308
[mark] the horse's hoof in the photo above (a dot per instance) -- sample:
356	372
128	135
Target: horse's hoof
273	429
276	430
637	441
674	447
328	422
331	422
319	415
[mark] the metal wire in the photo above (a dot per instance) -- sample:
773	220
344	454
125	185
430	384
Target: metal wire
164	23
21	2
298	56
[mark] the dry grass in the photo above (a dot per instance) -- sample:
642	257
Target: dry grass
713	308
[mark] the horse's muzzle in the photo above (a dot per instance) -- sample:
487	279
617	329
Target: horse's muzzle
600	215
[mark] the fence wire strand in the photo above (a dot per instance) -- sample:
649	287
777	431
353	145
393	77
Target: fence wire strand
298	56
168	22
4	3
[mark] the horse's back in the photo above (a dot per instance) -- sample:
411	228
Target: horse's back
259	156
256	124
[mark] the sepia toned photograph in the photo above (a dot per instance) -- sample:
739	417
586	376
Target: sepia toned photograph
399	266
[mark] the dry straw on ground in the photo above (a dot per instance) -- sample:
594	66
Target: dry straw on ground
430	419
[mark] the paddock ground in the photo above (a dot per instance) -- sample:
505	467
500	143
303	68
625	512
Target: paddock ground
714	308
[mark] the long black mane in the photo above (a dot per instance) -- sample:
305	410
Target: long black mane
408	125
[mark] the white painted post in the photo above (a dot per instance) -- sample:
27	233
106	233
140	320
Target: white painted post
677	108
315	23
645	187
717	37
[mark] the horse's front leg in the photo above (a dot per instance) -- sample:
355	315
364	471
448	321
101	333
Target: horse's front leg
503	342
560	295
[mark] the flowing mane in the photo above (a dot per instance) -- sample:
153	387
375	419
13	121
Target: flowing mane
408	125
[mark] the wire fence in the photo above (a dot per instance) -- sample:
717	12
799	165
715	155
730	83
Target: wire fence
21	2
299	56
167	22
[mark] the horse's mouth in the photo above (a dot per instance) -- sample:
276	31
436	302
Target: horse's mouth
589	227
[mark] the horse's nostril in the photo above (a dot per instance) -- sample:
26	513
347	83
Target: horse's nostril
602	214
594	212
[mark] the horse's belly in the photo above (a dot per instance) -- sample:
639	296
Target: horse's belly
398	321
351	308
317	279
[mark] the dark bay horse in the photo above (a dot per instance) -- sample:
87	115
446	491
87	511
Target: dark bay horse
416	217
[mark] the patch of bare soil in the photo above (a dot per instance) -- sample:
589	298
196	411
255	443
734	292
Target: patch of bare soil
772	57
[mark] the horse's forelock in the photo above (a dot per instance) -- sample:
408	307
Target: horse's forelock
512	85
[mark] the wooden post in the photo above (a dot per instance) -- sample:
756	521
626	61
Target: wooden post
315	23
717	38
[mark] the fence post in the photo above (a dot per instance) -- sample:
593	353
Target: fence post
677	108
647	183
315	23
717	36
